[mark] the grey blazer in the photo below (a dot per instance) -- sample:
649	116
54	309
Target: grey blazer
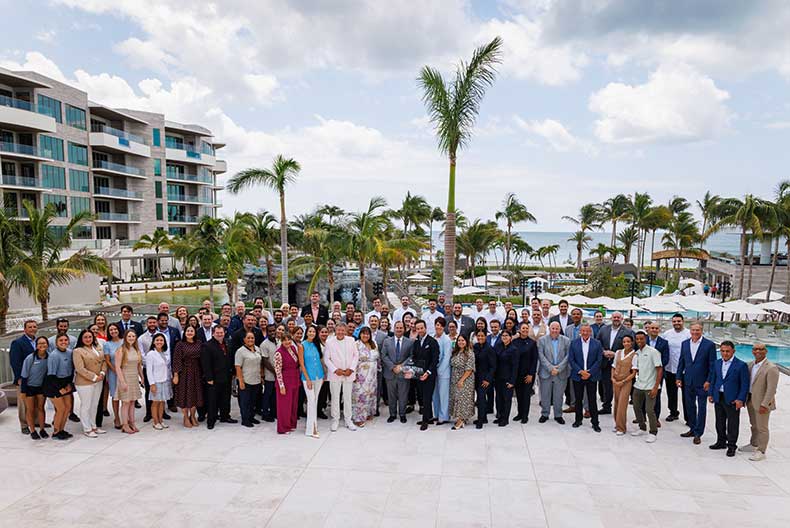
379	337
388	357
546	357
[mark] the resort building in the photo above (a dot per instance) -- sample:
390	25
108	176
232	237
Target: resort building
134	171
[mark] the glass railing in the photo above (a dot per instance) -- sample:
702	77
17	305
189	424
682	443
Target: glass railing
182	218
20	181
173	175
117	167
207	149
118	217
189	149
191	198
120	193
121	134
15	213
17	103
18	148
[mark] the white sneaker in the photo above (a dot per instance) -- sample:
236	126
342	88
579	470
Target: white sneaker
619	433
757	456
99	431
158	427
651	438
614	428
351	427
90	434
165	426
748	448
333	427
638	432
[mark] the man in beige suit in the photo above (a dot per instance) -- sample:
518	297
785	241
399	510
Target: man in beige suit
537	328
761	400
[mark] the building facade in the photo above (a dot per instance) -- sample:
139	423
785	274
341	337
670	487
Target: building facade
134	171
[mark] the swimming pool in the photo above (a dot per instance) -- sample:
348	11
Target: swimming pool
777	354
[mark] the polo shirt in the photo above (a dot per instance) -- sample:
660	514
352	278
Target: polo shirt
645	362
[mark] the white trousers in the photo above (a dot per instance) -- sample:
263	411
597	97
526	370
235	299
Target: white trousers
334	389
312	407
89	402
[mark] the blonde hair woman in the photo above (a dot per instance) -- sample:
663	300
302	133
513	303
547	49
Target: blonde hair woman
129	369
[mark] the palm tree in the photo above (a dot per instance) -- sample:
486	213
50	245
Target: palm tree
366	239
282	173
414	212
157	240
581	238
641	207
437	215
601	250
659	217
204	248
323	247
613	210
475	240
520	248
265	235
709	207
513	212
331	212
681	234
238	249
15	269
628	237
44	245
453	108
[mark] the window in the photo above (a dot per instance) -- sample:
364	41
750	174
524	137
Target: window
81	232
103	232
160	215
58	200
206	148
78	154
102	206
174	142
53	177
80	204
8	168
75	117
158	189
50	147
175	172
49	106
157	167
177	231
78	180
157	138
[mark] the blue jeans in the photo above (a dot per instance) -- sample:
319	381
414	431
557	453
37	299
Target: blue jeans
441	399
696	406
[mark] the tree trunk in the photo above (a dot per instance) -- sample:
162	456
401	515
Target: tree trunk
773	271
787	281
330	278
614	233
579	248
269	281
6	294
283	249
652	247
43	299
448	268
430	242
751	263
211	285
743	263
363	298
472	268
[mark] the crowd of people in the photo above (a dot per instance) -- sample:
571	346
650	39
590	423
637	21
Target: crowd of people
451	367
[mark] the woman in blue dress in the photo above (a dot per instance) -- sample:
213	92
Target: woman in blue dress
312	377
114	341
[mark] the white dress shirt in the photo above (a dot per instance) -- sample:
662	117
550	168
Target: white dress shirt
585	351
694	346
675	340
430	321
755	368
725	366
398	314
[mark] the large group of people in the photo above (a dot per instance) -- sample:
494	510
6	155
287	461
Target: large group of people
450	367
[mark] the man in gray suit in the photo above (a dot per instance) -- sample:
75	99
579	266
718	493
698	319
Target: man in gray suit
394	352
378	337
553	371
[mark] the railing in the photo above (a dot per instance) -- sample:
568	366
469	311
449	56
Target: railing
190	150
17	103
182	218
20	181
101	127
108	165
18	148
191	198
118	217
183	176
120	193
207	149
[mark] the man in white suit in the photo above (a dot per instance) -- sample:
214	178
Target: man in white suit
341	358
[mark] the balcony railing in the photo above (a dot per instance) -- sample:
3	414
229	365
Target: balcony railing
189	149
191	198
120	193
18	148
118	217
20	181
117	167
183	176
17	103
121	134
182	218
15	213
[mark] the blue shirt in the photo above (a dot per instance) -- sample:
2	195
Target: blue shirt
312	362
34	370
445	353
60	364
555	344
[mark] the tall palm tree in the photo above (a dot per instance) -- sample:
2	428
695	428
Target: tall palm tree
681	234
513	212
601	250
581	238
476	240
437	215
628	237
453	108
323	247
157	241
203	248
265	235
44	245
709	207
15	269
414	212
366	239
659	217
282	173
613	210
331	212
641	207
238	249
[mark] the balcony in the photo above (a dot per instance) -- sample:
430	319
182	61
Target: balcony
123	218
220	166
186	154
24	183
20	151
189	198
195	178
182	219
22	115
117	168
105	137
123	194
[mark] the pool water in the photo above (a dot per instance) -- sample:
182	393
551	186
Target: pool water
776	354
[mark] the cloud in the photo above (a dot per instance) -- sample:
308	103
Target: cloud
778	125
46	35
556	135
676	104
144	54
37	62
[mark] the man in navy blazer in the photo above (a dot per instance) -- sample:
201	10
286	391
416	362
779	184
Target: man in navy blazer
697	356
21	347
584	357
494	340
126	322
662	345
729	386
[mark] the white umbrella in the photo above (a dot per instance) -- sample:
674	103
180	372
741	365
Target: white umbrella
602	300
696	304
553	297
537	279
578	299
495	279
682	283
760	296
468	290
742	307
776	306
418	277
659	305
621	306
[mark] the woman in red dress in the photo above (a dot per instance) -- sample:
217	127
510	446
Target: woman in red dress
286	368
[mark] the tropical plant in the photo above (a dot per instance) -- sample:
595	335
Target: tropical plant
614	210
581	238
324	248
282	173
476	240
15	269
203	248
437	215
414	212
453	108
659	217
641	207
157	241
265	234
513	212
709	207
366	239
238	249
681	235
628	237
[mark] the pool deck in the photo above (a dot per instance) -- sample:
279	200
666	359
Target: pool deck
394	475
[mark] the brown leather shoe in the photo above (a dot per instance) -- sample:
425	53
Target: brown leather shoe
586	414
697	440
569	410
687	434
658	423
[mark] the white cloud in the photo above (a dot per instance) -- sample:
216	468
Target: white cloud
37	62
676	104
263	87
144	54
556	135
46	35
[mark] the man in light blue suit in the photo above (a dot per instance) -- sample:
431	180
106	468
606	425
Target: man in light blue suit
553	372
729	386
697	357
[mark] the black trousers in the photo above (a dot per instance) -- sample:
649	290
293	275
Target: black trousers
426	401
588	387
301	407
490	399
412	392
523	396
728	420
605	391
102	405
218	402
481	402
269	400
569	396
147	392
247	398
672	394
504	401
323	396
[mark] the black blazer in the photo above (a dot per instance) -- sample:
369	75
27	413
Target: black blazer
507	364
323	314
218	365
427	355
662	345
237	338
134	325
605	335
527	357
485	363
200	335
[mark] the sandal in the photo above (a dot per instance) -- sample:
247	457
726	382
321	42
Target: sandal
187	423
126	429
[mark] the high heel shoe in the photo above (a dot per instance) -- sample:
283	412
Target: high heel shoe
126	429
456	426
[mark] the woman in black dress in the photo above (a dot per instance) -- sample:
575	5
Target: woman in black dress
187	376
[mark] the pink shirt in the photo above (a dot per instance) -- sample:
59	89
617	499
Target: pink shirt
341	355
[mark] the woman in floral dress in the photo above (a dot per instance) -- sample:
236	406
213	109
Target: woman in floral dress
188	376
365	384
462	382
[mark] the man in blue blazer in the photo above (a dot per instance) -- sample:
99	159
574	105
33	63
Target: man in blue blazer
584	357
21	347
697	356
729	386
655	340
494	340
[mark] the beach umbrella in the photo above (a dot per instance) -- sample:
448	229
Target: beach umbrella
468	290
553	297
495	279
603	299
537	279
742	307
621	306
760	296
776	306
418	277
696	304
578	299
660	305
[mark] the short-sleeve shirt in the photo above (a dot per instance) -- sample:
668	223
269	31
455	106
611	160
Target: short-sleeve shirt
268	348
645	362
250	363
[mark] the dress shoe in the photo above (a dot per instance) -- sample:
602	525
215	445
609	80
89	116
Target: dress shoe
268	419
43	434
172	409
229	420
35	436
421	422
165	416
432	421
517	418
201	419
577	424
586	414
731	451
391	419
147	418
524	420
247	424
635	421
570	409
605	411
439	422
478	425
60	435
543	419
671	418
74	418
322	415
502	423
210	426
596	428
697	440
137	405
409	409
403	419
255	422
423	427
687	434
718	446
560	420
106	413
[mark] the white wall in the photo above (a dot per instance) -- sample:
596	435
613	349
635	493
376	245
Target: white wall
78	291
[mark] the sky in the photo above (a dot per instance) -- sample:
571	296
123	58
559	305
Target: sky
593	97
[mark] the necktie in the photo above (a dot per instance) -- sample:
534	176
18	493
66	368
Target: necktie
125	326
397	348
